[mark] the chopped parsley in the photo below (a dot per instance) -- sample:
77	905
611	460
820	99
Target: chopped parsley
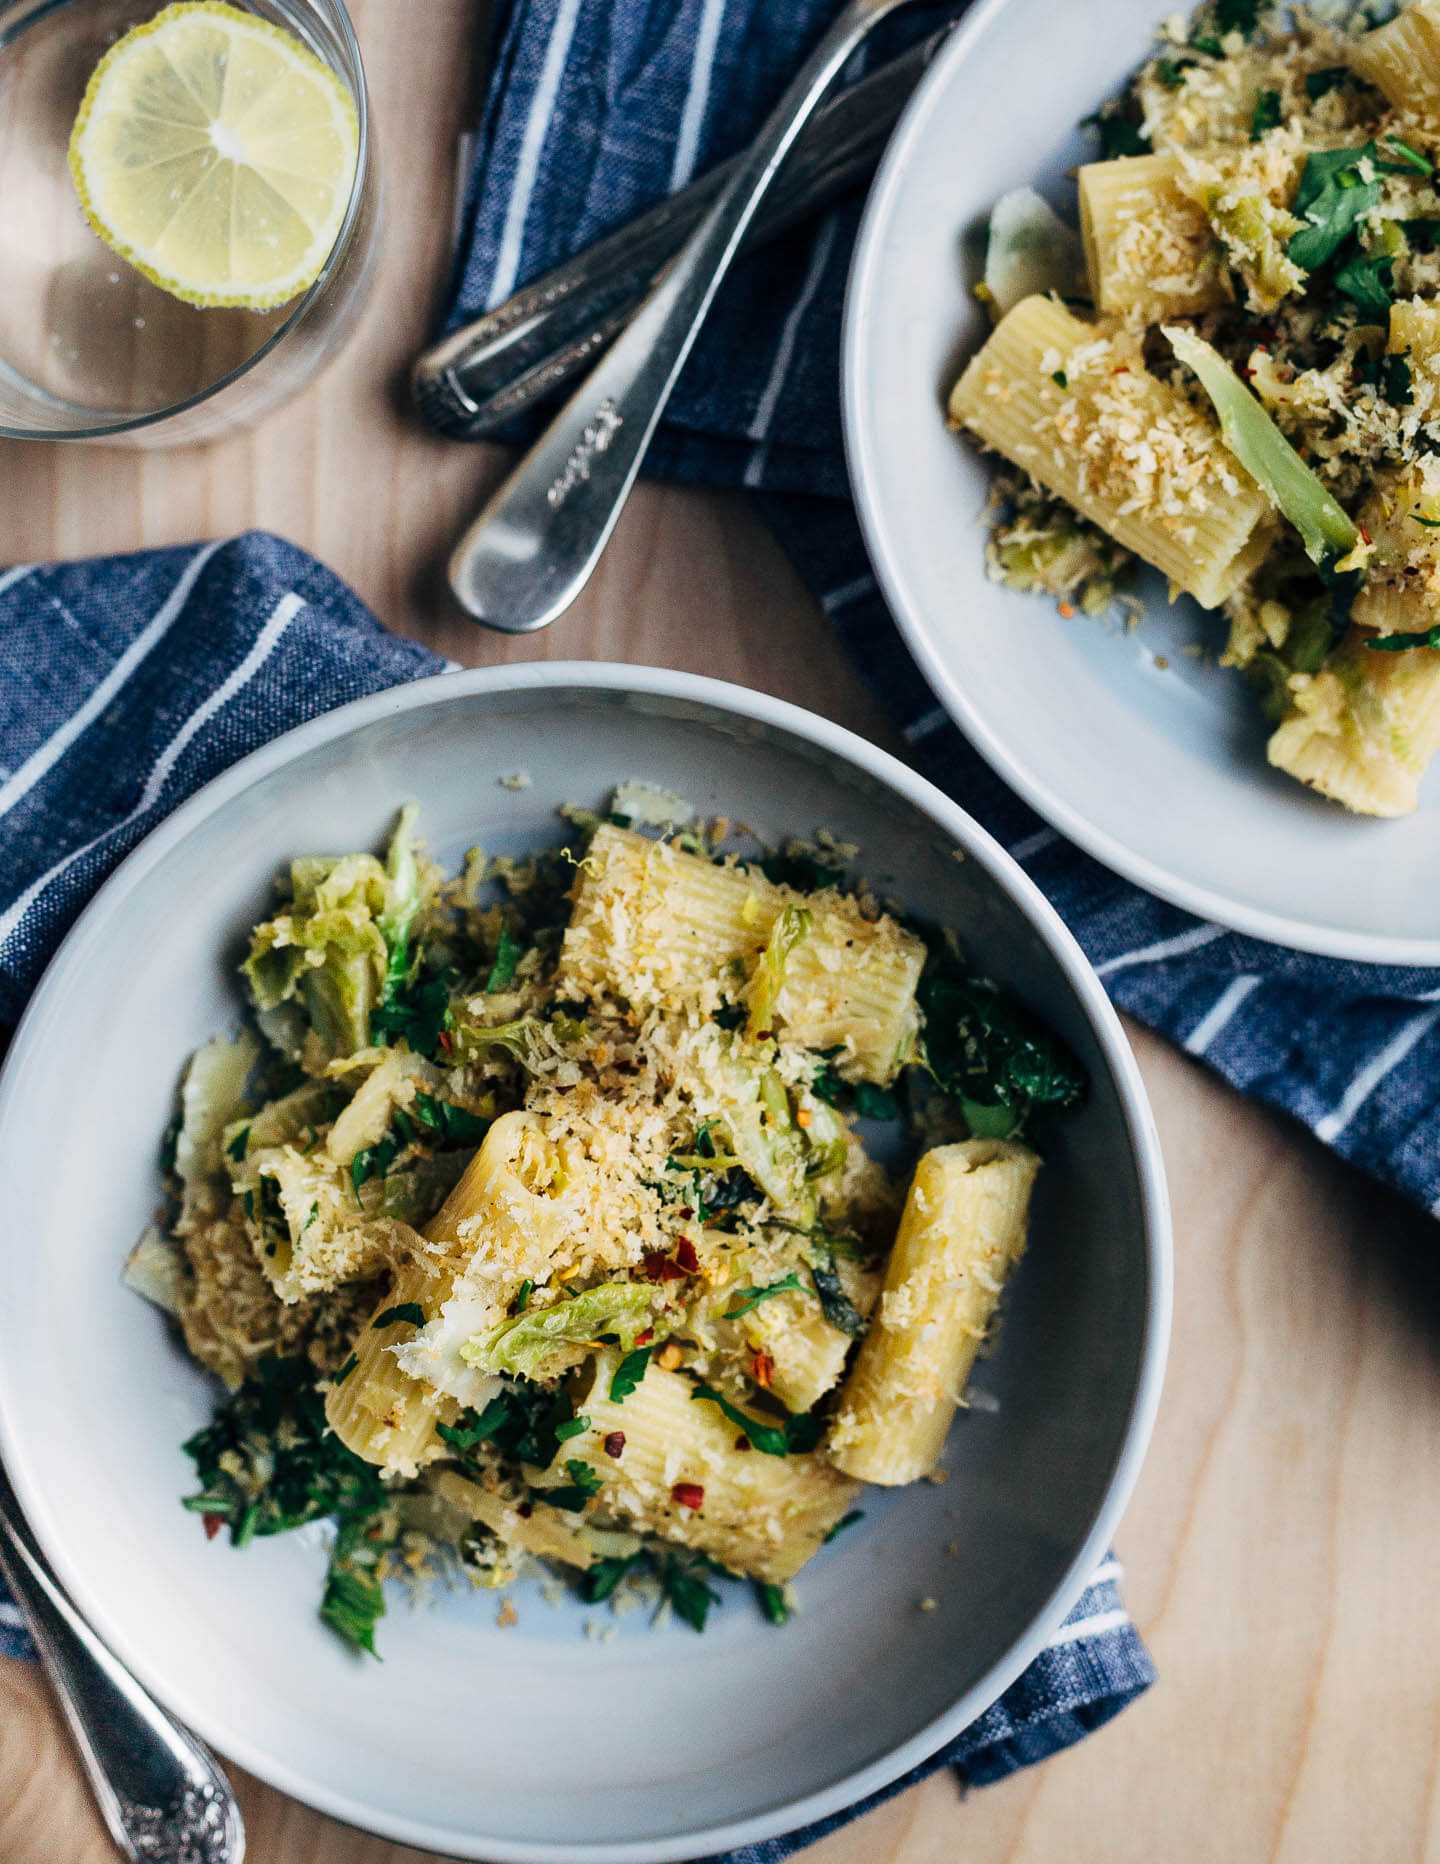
268	1462
407	1310
1059	378
1391	375
1118	134
849	1520
1170	73
1320	83
345	1370
239	1145
1366	282
1267	114
689	1597
1398	643
1332	200
521	1421
628	1374
1407	160
373	1162
796	1436
772	1601
837	1307
508	952
601	1578
584	1485
750	1298
575	1427
522	1300
418	1013
451	1125
354	1599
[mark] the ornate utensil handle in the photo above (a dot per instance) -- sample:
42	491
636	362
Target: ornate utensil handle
161	1794
534	546
494	368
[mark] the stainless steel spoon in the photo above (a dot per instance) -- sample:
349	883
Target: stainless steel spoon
534	546
161	1794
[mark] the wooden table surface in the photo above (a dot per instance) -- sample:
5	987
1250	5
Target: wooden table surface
1283	1544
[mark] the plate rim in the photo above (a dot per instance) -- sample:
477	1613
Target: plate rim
725	698
865	282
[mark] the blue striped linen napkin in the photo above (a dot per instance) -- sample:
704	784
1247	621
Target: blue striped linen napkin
128	682
599	107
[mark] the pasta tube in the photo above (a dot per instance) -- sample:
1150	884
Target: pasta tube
673	1468
381	1409
1079	411
962	1231
1148	246
1363	729
1402	59
654	926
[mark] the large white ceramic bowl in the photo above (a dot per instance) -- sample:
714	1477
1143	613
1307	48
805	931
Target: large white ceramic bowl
536	1742
1149	758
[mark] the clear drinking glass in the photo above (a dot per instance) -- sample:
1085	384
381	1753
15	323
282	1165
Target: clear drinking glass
89	348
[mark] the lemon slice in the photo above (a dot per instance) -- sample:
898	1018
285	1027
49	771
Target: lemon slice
217	155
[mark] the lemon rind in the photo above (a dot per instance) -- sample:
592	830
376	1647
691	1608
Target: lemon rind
282	290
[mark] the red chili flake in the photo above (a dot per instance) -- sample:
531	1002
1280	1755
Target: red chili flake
685	1255
445	1041
660	1268
213	1524
615	1443
688	1495
1364	533
644	1339
742	1442
763	1035
685	1212
762	1369
525	1511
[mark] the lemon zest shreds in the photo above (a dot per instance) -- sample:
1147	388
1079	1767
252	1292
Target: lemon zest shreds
216	154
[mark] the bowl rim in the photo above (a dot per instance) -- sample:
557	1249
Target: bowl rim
722	698
866	282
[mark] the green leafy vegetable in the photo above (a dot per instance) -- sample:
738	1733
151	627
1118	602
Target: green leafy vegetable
1240	16
1366	281
354	1599
526	1343
1118	134
690	1598
1407	160
451	1125
1398	643
1325	530
508	952
239	1143
407	1310
849	1520
837	1307
876	1103
798	1435
792	925
750	1298
1267	114
601	1578
1169	73
772	1601
1320	83
584	1485
418	1014
521	1421
984	1046
1332	199
628	1374
345	1370
269	1462
402	901
522	1300
373	1162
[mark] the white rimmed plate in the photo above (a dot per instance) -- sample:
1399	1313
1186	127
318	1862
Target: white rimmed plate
1150	759
537	1743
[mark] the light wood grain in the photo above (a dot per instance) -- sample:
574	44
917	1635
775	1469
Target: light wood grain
1282	1543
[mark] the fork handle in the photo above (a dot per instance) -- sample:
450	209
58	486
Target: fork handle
536	543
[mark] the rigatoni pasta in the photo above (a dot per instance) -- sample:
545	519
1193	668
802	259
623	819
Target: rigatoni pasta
963	1230
576	1252
1249	400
